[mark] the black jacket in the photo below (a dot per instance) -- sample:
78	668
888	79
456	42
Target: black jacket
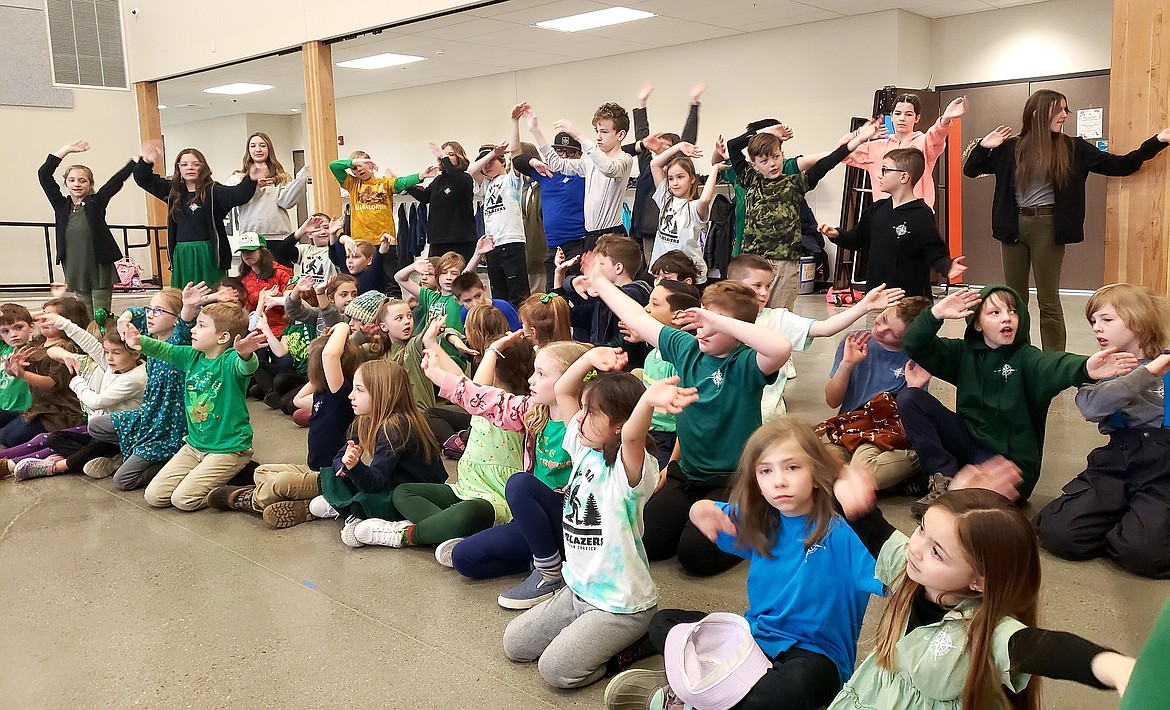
105	248
451	196
222	199
901	244
1068	214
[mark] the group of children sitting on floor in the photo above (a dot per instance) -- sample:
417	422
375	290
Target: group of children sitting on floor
609	423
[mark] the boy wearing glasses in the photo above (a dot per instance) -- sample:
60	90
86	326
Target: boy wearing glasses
898	234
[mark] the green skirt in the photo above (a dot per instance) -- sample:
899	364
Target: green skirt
192	263
340	492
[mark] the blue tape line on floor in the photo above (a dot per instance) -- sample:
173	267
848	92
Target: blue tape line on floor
308	584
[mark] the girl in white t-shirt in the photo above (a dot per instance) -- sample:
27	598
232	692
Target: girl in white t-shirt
608	597
683	209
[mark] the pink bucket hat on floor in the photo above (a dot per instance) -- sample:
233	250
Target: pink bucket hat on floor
712	664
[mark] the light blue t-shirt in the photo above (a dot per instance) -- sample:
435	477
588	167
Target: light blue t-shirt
811	598
881	371
605	560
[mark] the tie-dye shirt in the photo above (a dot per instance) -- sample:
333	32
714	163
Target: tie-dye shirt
605	561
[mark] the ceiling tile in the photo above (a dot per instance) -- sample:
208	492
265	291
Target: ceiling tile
950	8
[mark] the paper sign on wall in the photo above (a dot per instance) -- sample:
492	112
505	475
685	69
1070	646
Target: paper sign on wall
1089	122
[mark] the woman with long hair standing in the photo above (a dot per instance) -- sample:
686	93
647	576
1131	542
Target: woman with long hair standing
1039	202
276	192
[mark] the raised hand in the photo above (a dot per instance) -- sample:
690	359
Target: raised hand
689	150
424	267
1110	363
779	130
644	94
531	121
665	394
564	125
881	298
130	334
1160	365
541	167
956	108
152	151
304	286
856	347
435	148
337	224
431	334
74	147
872	128
697	92
856	491
519	110
259	173
352	455
720	152
958	266
1164	135
250	343
430	171
608	359
692	319
71	363
485	244
506	340
996	138
711	520
18	361
830	232
915	374
46	320
995	474
628	333
957	305
655	143
462	347
365	163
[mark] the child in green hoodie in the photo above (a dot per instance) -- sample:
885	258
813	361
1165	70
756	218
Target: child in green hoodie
1004	387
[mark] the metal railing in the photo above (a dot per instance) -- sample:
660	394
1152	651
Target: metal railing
154	240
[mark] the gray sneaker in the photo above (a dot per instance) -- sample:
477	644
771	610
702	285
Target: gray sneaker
102	467
530	592
641	689
445	551
936	486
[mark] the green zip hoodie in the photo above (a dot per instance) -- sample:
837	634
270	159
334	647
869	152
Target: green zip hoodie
1003	393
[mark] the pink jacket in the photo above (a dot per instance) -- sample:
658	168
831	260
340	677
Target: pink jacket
869	156
502	409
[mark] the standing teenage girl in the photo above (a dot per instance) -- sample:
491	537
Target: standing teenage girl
682	207
905	116
197	205
276	191
86	249
1039	201
451	196
390	444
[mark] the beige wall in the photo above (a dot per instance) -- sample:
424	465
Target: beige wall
208	40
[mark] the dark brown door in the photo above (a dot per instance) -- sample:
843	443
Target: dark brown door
1002	104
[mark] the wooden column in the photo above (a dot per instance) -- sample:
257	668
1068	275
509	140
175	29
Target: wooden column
1137	208
322	120
149	129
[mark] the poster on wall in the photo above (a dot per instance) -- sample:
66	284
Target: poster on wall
1089	122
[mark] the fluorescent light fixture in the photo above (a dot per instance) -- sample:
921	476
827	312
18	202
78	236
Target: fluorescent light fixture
237	89
593	20
380	61
295	110
161	106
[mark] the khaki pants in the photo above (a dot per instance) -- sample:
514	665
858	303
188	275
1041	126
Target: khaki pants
889	468
190	475
283	481
1037	251
785	283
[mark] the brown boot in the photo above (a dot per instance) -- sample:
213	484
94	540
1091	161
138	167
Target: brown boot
232	498
287	513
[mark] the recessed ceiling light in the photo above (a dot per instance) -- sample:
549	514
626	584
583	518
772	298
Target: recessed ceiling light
162	106
380	61
295	110
593	20
237	88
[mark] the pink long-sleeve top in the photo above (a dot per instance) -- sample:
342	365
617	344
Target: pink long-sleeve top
869	157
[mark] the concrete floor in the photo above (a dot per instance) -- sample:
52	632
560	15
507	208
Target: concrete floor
110	603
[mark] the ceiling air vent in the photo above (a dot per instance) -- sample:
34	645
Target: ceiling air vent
85	43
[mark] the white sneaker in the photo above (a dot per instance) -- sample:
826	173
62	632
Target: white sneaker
445	550
320	508
388	533
348	536
790	372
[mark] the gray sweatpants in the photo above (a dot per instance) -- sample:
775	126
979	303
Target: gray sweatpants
572	638
135	472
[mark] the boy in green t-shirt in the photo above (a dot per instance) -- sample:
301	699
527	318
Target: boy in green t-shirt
16	331
729	359
218	363
442	303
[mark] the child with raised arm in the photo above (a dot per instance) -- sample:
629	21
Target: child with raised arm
364	261
898	234
218	363
609	597
618	259
730	359
1005	386
772	226
442	303
562	202
605	167
683	206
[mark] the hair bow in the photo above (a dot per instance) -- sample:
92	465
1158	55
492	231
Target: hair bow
547	297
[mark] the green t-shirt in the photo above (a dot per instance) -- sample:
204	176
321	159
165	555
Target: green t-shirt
654	370
552	465
217	411
409	355
712	431
433	304
15	395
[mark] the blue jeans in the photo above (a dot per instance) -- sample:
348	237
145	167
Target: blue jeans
14	430
535	531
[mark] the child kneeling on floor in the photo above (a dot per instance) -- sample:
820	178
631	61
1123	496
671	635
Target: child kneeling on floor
218	363
608	598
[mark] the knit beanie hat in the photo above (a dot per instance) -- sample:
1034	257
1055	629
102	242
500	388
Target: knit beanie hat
365	307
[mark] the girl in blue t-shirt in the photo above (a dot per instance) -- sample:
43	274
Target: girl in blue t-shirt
810	577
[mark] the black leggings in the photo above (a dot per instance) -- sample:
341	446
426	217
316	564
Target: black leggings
669	531
446	420
798	679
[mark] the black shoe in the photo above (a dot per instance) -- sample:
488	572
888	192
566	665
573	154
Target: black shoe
256	392
939	484
628	656
272	400
915	486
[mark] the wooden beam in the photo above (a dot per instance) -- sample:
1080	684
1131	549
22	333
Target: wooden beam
322	122
1137	208
150	128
